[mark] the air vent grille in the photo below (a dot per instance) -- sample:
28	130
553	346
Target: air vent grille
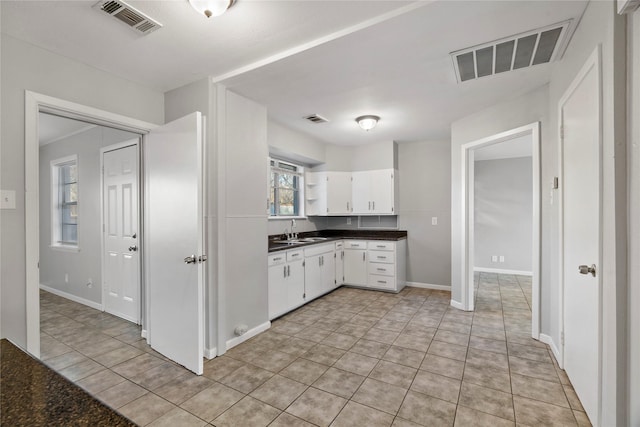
127	14
316	118
512	53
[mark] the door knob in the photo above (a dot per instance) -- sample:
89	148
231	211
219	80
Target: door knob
585	269
133	248
191	259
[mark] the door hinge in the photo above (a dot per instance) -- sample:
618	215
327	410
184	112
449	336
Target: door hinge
202	258
562	337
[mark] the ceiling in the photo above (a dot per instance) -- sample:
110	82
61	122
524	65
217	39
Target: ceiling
339	59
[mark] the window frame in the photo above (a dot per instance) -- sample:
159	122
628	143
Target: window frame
57	202
274	163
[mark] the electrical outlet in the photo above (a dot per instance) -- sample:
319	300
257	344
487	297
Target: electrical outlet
90	283
501	258
434	220
494	258
349	221
66	277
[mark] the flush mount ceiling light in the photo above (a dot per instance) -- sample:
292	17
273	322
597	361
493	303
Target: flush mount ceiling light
367	122
211	8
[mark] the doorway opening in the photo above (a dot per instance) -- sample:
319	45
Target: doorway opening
529	134
79	259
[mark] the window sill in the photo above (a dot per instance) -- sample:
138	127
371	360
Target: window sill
286	218
65	248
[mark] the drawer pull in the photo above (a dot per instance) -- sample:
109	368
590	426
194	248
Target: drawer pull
380	246
294	255
382	257
277	259
382	281
381	269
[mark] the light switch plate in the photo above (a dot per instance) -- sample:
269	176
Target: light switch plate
434	220
7	199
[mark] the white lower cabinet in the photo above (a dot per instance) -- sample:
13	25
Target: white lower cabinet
375	264
286	282
319	270
355	262
298	276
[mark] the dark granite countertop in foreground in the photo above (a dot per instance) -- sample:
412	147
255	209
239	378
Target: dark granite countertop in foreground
32	394
331	235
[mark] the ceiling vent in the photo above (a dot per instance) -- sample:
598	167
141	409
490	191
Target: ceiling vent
135	19
315	118
520	51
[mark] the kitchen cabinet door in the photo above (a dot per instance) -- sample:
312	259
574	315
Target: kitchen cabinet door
328	266
278	298
382	188
355	267
339	193
295	284
339	257
312	277
361	191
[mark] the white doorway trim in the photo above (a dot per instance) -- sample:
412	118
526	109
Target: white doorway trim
467	240
36	103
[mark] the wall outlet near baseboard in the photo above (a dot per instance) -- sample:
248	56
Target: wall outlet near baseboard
434	220
66	277
501	258
494	258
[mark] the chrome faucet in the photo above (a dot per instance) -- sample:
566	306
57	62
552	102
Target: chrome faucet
293	234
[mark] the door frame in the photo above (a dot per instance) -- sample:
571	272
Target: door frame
36	103
140	231
467	207
593	61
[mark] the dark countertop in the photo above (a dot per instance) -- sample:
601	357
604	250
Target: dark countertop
31	394
331	235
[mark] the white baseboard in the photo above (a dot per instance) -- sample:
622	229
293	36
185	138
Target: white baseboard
72	297
429	286
554	348
143	333
458	305
249	334
210	353
502	271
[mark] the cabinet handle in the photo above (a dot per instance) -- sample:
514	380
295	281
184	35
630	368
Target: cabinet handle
347	206
380	246
369	205
294	255
288	270
319	261
285	271
374	205
342	255
382	257
277	259
381	269
382	281
363	255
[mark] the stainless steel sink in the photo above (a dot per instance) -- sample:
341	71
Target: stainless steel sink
313	239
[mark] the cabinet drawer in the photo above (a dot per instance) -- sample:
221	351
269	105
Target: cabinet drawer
355	244
275	259
382	256
294	255
381	245
381	282
339	244
382	269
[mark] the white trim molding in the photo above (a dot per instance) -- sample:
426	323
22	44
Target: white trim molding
247	335
554	348
210	353
502	271
429	286
72	297
458	305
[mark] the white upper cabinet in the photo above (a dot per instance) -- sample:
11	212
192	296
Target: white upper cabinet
328	193
339	193
371	192
374	192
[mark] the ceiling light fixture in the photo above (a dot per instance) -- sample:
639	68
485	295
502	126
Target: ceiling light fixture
367	122
211	8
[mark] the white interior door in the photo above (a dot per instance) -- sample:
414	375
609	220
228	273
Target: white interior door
121	287
580	118
174	235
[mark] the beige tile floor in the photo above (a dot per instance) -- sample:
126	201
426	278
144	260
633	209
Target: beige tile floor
351	358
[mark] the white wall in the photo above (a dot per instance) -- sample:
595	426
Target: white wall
503	213
523	110
425	176
84	265
26	67
601	25
633	147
